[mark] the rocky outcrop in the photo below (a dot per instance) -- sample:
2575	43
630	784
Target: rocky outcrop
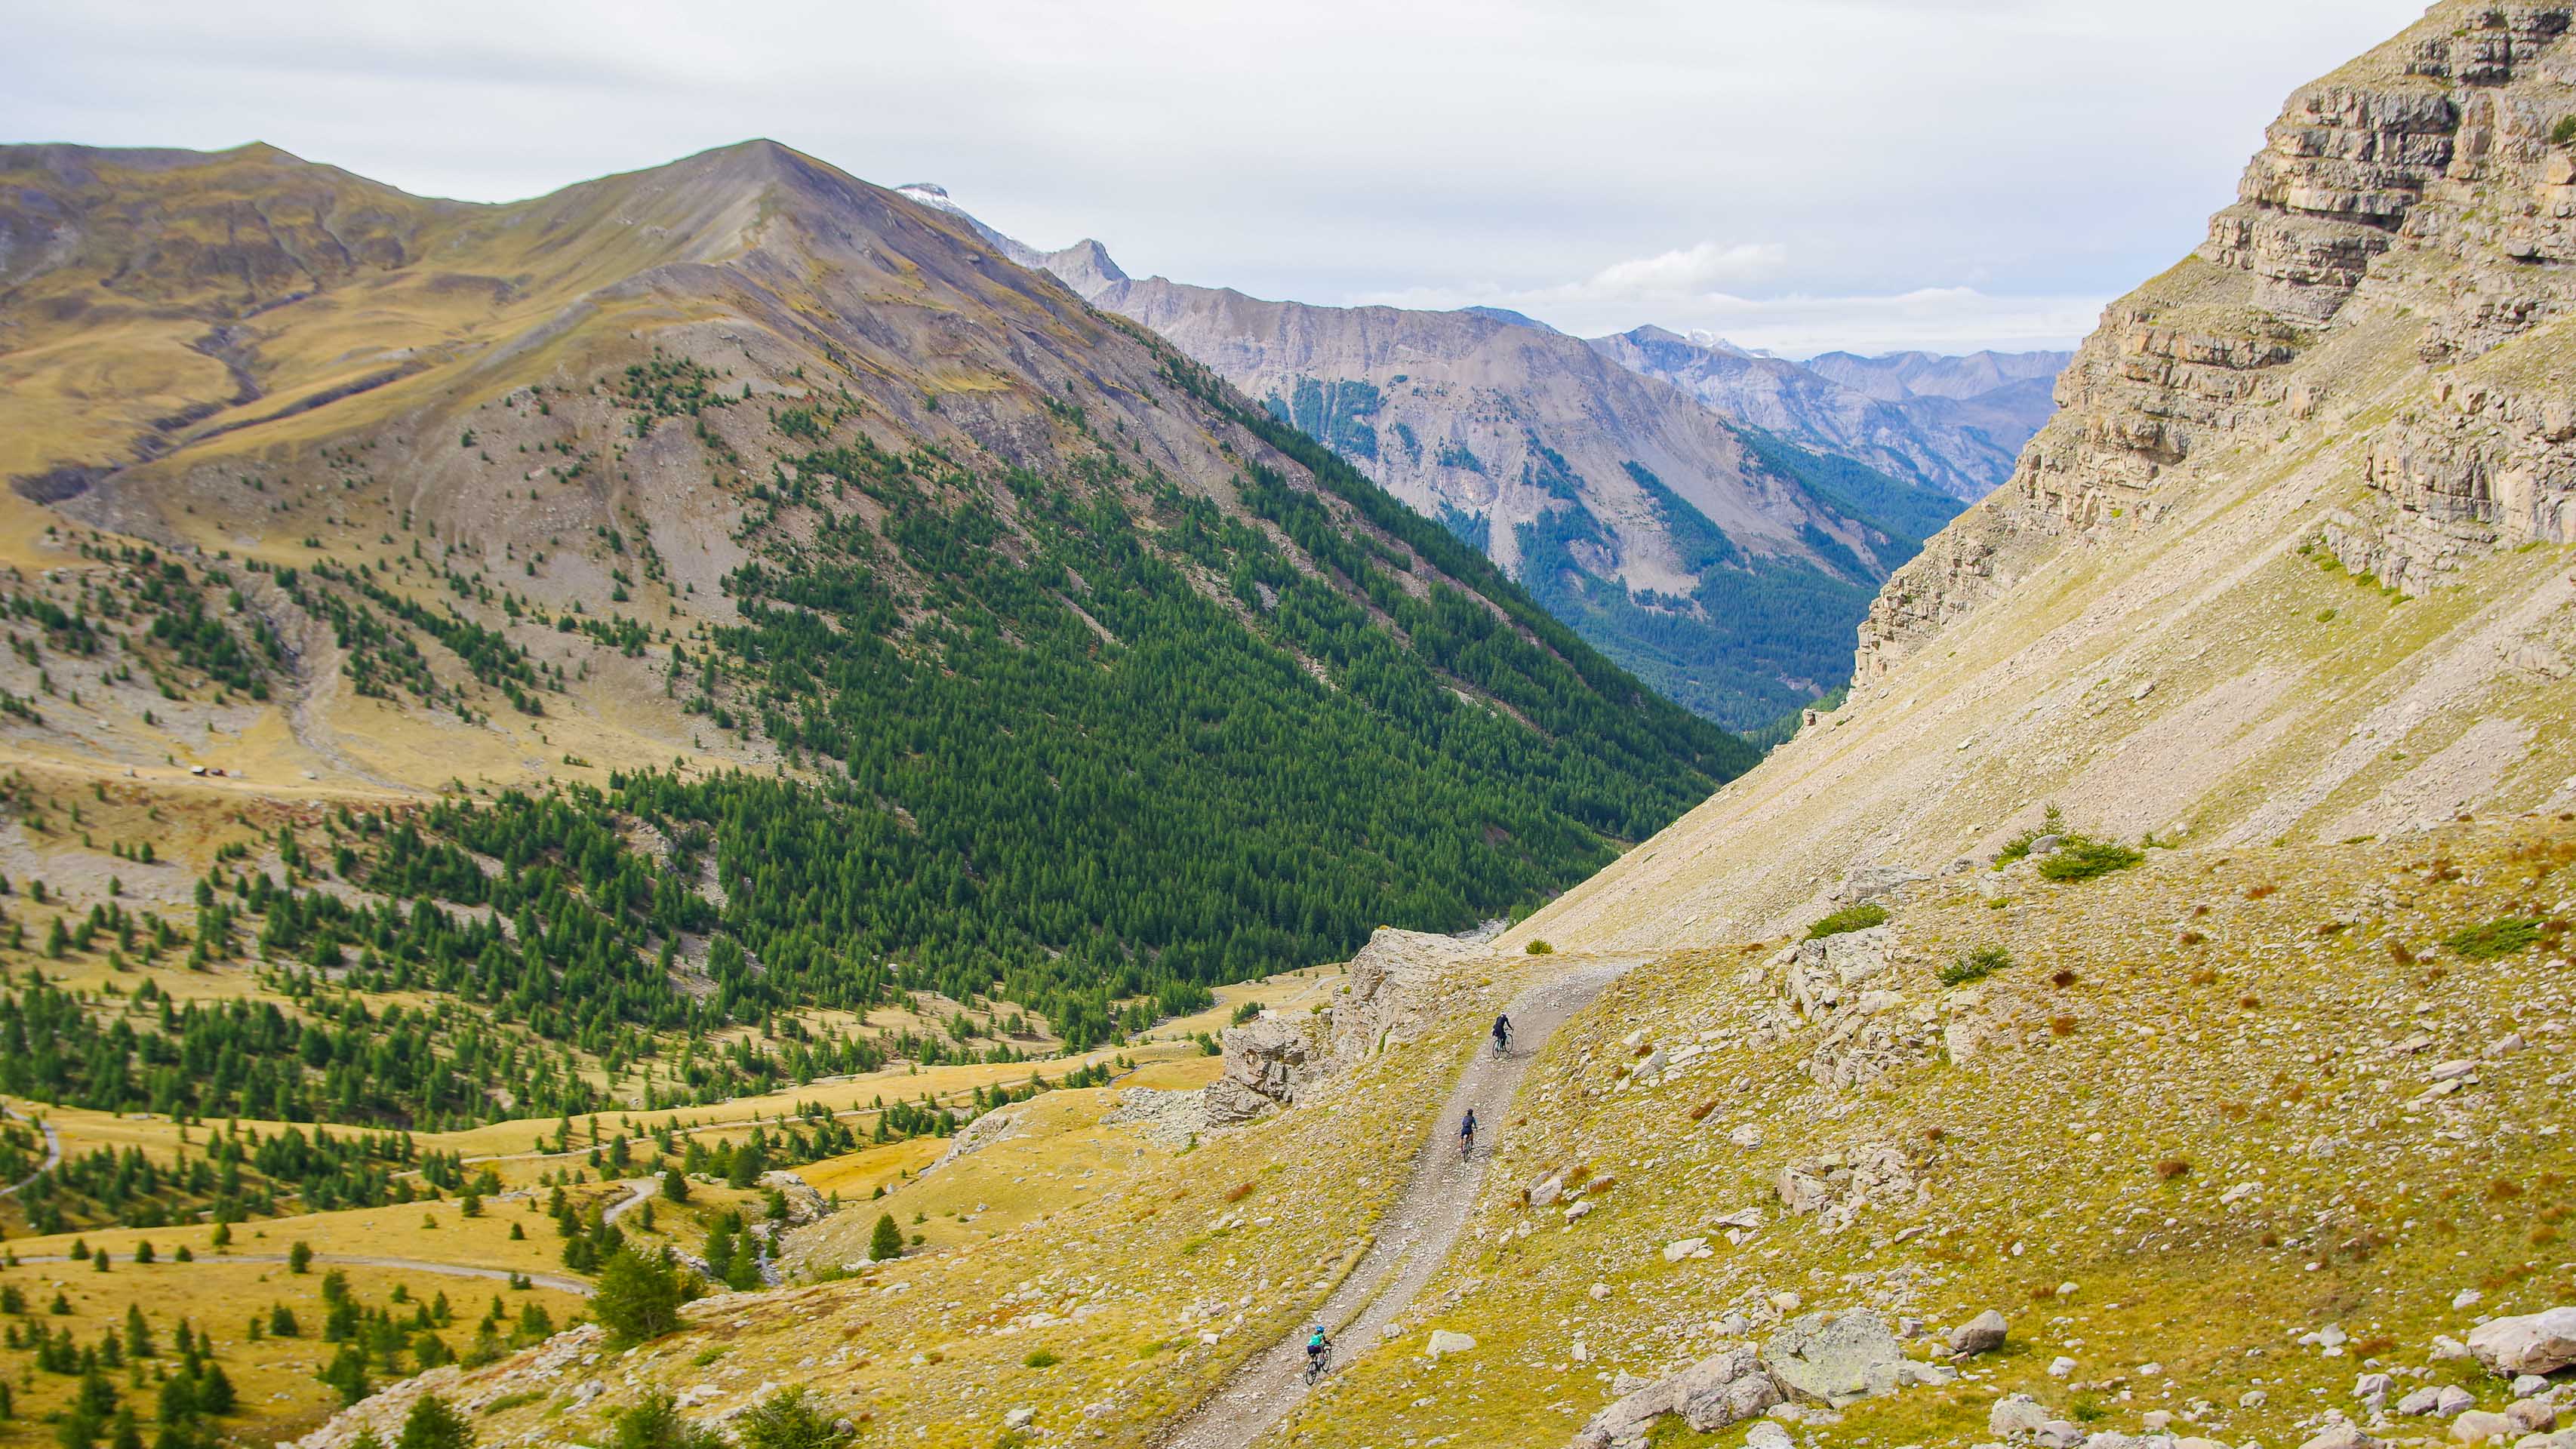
2484	467
1837	1187
1830	990
1271	1059
1170	1118
1828	1360
979	1134
805	1203
558	1367
1723	1389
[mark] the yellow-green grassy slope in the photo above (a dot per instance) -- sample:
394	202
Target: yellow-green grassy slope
2197	1095
1104	1279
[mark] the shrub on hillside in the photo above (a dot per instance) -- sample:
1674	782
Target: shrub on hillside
2495	938
1850	918
1540	948
1975	965
656	1422
887	1241
2081	857
790	1419
2052	822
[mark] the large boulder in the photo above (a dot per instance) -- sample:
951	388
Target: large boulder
1272	1056
2016	1414
1725	1388
1981	1334
1834	1359
2535	1343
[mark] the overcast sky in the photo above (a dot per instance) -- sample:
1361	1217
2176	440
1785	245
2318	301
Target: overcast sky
1795	174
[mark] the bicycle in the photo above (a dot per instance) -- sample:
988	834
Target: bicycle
1318	1364
1502	1045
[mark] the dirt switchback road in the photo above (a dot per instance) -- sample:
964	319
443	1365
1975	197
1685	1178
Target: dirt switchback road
1417	1233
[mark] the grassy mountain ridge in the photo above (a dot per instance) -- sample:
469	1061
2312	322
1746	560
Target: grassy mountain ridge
797	606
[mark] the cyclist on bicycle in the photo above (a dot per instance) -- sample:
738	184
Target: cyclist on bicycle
1502	1035
1317	1348
1467	1132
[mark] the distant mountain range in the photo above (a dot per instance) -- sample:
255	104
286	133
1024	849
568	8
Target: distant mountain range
1951	423
1714	519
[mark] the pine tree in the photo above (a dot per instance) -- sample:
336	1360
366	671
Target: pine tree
638	1297
434	1424
887	1241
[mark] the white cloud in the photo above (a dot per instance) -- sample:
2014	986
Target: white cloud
1851	149
1676	290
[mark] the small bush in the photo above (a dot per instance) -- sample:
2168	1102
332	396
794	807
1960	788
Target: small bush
1539	948
2495	938
2052	822
2564	133
1041	1359
1975	965
791	1419
2080	857
657	1423
1850	918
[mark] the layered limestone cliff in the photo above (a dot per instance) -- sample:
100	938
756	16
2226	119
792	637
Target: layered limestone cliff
2288	562
2421	185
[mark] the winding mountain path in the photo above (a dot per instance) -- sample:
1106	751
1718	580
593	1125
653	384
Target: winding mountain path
1413	1239
53	1150
638	1189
